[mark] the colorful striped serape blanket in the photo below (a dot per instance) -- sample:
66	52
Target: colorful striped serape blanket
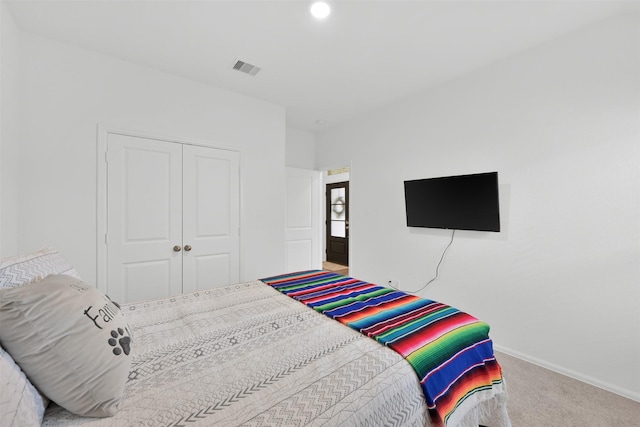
450	351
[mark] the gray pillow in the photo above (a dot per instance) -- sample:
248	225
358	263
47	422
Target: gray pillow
72	342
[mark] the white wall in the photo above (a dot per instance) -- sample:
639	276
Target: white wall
301	149
560	285
9	90
68	91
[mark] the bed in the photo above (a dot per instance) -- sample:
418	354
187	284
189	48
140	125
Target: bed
253	354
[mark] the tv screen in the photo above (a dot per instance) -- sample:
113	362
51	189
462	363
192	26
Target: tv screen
462	202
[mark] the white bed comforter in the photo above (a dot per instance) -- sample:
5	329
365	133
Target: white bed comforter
248	355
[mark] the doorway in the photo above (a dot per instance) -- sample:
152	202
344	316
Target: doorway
338	176
337	222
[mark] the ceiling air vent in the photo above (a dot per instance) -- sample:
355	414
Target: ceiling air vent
246	68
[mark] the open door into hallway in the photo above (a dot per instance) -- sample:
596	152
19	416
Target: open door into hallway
336	220
303	239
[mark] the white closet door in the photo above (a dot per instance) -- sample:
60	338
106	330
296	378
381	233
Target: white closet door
211	215
144	218
302	227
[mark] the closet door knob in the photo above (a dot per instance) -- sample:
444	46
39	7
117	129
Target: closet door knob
187	248
177	248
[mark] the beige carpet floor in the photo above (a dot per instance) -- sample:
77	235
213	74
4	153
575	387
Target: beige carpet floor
539	397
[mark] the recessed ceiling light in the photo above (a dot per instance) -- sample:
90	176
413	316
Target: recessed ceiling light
320	9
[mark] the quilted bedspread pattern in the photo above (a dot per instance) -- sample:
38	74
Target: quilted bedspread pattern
246	355
449	350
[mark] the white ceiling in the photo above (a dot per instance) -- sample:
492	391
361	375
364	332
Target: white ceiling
365	55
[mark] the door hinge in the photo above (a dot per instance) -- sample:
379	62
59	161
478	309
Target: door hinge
106	156
106	239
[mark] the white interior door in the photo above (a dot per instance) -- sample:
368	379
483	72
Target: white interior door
144	218
302	230
211	212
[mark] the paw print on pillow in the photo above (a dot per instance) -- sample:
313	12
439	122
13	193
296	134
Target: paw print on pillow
120	342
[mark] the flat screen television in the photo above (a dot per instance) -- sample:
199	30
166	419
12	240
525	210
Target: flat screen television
462	202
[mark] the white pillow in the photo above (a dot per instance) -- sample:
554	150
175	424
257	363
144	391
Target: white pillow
23	269
71	340
20	403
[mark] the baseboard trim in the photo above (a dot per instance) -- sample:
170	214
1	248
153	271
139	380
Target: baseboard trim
629	394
